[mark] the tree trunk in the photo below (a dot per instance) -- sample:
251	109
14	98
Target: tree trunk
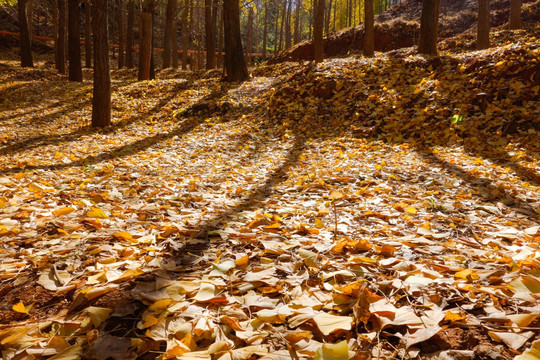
101	101
369	32
174	37
296	37
24	39
265	32
249	36
55	29
276	29
87	35
482	39
429	27
220	61
282	27
235	64
129	35
170	18
288	26
74	42
515	14
185	35
145	40
61	41
327	18
318	25
121	32
210	31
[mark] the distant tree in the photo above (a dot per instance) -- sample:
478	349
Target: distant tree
265	32
429	27
297	24
169	37
369	31
185	34
60	56
482	39
87	35
210	9
515	14
235	64
318	25
101	100
129	35
74	42
145	40
121	32
25	39
249	36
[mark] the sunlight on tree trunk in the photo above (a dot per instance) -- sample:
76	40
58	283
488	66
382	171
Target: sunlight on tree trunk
145	40
515	14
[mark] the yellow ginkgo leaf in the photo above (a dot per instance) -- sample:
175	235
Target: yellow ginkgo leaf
96	213
467	274
339	351
336	195
318	223
63	211
20	308
123	235
411	210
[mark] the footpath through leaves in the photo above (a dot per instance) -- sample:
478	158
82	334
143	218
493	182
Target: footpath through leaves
380	208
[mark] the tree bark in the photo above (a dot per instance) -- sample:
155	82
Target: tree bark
170	19
429	27
61	41
87	35
220	61
288	37
101	101
369	32
235	64
296	36
185	34
54	5
74	42
249	36
24	38
265	32
174	37
210	31
318	27
121	32
482	39
129	35
145	40
515	14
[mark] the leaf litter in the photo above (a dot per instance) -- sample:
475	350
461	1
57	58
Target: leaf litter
382	208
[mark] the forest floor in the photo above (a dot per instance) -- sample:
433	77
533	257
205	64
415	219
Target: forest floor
384	208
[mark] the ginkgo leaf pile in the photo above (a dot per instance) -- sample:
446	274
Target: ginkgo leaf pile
365	208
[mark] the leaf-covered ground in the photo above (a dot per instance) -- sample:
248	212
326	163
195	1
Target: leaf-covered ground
384	208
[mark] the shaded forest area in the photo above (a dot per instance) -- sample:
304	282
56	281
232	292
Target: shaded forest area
382	202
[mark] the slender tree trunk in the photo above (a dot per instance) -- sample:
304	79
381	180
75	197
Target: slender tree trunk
369	32
282	27
74	42
145	40
220	57
101	101
296	37
55	29
121	32
174	37
129	34
482	39
170	16
515	14
327	17
24	39
87	35
210	30
61	41
276	29
288	26
429	27
265	33
185	35
318	27
235	64
249	36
